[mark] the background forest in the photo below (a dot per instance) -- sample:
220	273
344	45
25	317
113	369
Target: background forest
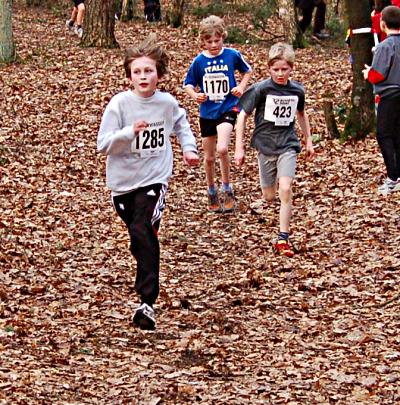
236	323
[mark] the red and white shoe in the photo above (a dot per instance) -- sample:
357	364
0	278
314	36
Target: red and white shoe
283	247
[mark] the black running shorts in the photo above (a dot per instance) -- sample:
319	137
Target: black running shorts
209	127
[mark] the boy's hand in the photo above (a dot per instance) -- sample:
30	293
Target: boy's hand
139	126
237	91
366	71
310	152
191	158
200	97
239	156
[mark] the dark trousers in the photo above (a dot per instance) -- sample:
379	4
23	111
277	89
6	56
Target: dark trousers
152	10
388	134
141	210
319	19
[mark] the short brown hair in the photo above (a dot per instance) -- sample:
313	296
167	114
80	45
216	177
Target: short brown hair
150	48
212	25
391	17
281	51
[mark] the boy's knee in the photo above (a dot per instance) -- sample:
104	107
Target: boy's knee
222	150
209	160
268	194
285	193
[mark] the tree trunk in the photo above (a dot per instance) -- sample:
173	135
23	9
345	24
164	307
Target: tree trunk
128	10
99	24
7	48
361	118
330	121
176	13
288	14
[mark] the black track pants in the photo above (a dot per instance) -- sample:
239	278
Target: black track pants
388	134
319	19
141	210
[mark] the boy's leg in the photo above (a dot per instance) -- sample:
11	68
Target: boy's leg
286	167
267	173
209	159
319	19
74	14
71	22
209	144
80	14
306	19
285	196
269	193
224	136
225	127
388	135
141	211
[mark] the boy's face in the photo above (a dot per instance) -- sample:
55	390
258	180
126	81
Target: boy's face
280	71
213	44
144	76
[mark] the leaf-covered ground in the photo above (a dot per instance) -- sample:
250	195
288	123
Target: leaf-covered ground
236	323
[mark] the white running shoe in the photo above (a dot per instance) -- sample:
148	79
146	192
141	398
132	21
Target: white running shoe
70	27
389	186
79	31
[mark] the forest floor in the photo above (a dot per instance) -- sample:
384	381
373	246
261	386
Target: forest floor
236	324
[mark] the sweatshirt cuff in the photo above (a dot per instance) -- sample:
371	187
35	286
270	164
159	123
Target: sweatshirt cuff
375	77
189	148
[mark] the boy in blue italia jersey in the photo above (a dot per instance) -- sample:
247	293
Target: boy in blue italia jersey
135	136
277	102
213	73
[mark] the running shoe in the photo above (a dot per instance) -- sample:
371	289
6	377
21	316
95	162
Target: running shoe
70	26
79	31
283	247
144	317
389	186
228	201
213	203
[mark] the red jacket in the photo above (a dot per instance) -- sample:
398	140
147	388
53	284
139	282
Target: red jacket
376	26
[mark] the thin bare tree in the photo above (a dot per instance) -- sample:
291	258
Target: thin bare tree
7	47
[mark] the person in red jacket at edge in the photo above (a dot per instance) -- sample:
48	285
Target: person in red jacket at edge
376	16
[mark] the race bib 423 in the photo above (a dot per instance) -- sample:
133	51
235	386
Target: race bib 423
280	110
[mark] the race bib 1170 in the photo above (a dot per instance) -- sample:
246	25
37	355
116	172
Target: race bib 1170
280	110
216	86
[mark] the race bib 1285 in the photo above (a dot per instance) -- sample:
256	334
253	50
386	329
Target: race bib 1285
151	141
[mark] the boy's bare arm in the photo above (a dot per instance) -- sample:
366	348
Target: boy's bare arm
304	123
239	142
241	87
199	97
